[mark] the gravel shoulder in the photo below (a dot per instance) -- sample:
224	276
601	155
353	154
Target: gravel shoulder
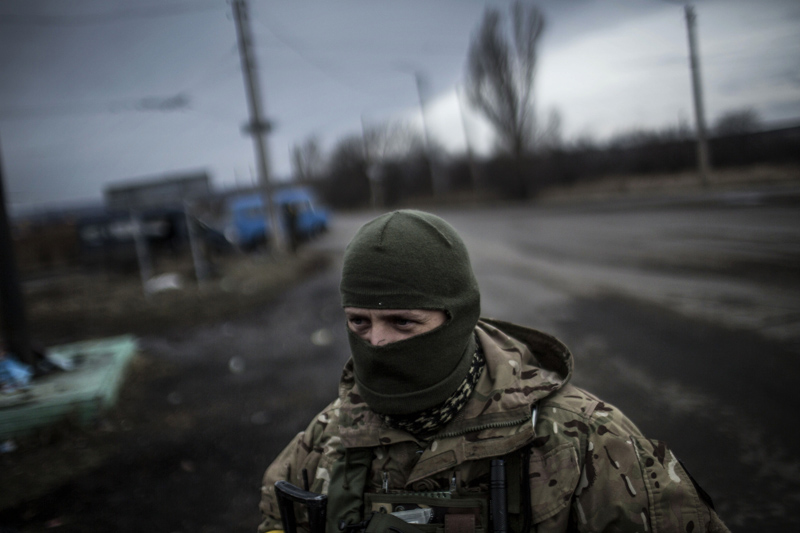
185	445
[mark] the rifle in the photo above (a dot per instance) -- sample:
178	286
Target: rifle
498	496
316	504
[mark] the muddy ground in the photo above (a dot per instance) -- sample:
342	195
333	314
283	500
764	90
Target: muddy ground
203	408
225	377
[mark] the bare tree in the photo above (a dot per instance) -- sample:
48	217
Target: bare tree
549	135
307	159
347	182
390	140
500	74
737	122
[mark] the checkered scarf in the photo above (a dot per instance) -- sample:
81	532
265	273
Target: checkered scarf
425	424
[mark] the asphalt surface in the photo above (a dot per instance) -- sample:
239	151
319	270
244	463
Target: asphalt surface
684	315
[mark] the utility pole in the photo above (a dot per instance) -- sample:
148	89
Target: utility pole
473	171
199	257
697	91
373	173
14	322
258	126
142	251
435	185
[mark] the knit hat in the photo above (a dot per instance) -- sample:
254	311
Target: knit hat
411	260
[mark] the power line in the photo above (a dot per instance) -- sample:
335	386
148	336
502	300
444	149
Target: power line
213	71
120	15
330	72
66	109
174	102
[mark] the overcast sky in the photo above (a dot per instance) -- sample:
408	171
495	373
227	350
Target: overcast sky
79	79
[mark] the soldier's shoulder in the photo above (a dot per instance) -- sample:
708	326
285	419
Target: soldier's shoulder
574	401
572	405
325	422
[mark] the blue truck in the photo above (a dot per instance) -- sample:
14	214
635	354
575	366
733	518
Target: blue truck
248	228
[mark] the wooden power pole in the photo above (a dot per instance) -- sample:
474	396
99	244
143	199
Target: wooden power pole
436	185
14	322
703	160
258	126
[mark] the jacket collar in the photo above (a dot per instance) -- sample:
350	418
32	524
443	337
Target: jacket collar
523	366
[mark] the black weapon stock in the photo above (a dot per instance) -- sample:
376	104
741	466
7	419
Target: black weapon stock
317	505
498	496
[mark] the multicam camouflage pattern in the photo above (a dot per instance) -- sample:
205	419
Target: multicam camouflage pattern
590	468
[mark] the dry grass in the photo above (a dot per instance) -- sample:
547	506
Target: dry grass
76	305
671	184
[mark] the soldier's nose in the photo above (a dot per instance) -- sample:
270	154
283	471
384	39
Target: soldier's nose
377	335
376	339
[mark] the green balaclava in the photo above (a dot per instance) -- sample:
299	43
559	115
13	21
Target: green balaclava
411	260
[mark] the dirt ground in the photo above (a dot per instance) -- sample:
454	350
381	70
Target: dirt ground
185	446
219	386
76	304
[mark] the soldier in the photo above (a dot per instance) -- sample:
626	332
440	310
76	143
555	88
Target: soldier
448	422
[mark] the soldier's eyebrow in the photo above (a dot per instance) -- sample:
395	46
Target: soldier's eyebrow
407	314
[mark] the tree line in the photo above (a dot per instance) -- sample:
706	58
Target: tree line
392	163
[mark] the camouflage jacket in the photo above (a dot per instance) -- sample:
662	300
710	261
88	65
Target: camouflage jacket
589	467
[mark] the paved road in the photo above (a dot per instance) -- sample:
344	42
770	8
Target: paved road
686	316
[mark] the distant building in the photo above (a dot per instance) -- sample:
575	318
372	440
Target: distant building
157	192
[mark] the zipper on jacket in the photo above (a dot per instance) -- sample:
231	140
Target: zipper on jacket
493	425
385	485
